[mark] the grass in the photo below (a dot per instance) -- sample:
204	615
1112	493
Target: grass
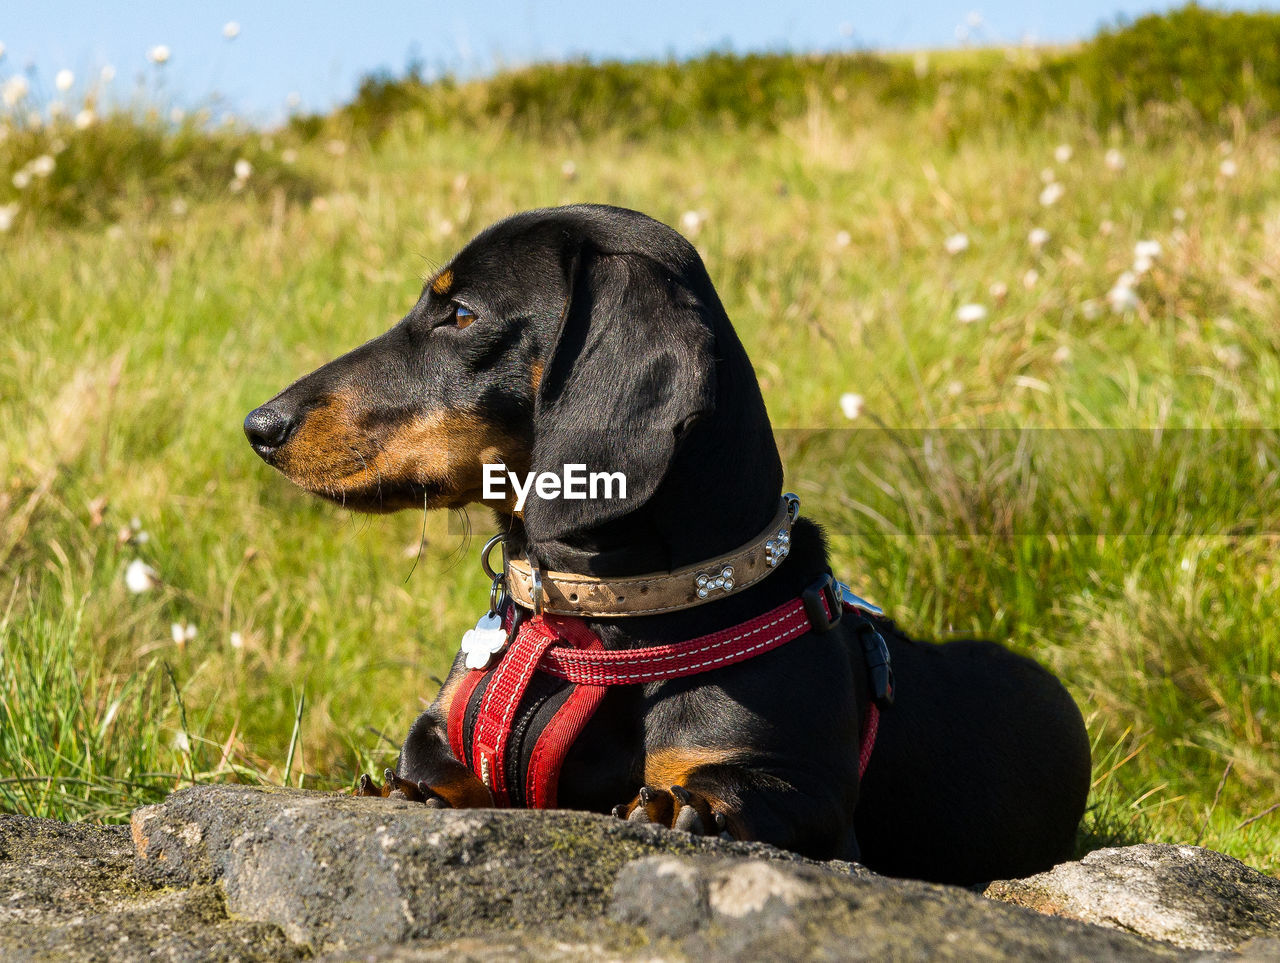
1092	487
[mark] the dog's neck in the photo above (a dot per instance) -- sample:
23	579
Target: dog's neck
720	491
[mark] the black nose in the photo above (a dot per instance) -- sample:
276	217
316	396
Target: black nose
267	429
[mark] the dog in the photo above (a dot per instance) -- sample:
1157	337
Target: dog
592	335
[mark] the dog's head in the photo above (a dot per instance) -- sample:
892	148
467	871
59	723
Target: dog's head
579	335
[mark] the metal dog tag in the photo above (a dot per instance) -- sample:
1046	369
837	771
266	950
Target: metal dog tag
482	643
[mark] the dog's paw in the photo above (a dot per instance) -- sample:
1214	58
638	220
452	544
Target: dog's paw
394	787
675	808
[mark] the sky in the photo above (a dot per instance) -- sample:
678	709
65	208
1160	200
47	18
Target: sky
313	53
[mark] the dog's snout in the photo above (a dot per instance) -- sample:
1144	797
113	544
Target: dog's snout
267	428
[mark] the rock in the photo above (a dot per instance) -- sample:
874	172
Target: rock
338	871
67	893
241	873
735	909
1185	895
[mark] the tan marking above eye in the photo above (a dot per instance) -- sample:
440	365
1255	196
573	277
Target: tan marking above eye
443	282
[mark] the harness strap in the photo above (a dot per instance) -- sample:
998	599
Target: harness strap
659	662
870	726
482	716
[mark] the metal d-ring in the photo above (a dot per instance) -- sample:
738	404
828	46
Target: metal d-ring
497	580
793	505
535	591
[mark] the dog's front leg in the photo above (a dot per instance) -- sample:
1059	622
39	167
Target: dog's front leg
427	770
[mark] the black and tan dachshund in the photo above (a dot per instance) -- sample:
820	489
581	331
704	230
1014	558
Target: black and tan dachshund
593	335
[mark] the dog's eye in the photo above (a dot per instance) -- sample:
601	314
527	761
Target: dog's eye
462	315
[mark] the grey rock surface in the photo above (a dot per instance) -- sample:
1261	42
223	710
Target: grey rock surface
1185	895
67	892
240	873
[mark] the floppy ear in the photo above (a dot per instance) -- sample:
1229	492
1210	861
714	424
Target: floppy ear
631	370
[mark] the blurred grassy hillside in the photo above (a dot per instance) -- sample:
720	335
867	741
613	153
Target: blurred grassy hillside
1013	313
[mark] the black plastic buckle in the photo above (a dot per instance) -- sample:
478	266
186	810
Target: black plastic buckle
879	666
823	618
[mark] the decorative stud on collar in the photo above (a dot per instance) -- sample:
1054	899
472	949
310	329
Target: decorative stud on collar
712	583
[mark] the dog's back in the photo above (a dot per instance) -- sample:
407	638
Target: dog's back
981	768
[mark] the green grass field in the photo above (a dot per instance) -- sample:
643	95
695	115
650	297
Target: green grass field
1084	471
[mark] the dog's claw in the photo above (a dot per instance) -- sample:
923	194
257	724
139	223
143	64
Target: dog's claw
675	807
394	787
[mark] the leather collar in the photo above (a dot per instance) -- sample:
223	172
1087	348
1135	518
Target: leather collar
568	593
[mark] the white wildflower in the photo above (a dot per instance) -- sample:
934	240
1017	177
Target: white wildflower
43	165
231	30
1062	153
568	170
85	119
177	633
1062	354
178	207
236	640
1122	297
21	179
1179	215
843	238
1051	194
8	214
851	404
956	243
289	155
1230	356
140	577
64	80
1106	227
336	147
1030	278
999	290
159	54
1228	168
1038	237
969	313
1090	309
182	742
15	90
1114	160
692	221
1149	249
243	169
1141	265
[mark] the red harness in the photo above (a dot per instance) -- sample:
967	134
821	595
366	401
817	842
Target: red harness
493	718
